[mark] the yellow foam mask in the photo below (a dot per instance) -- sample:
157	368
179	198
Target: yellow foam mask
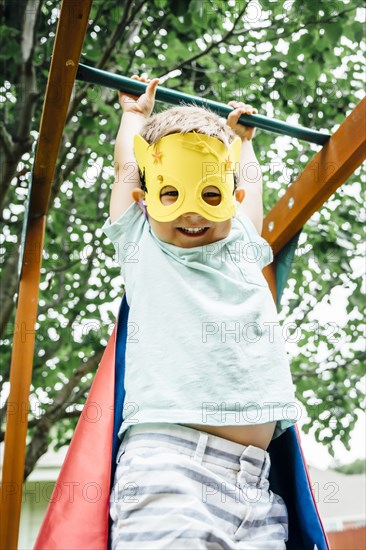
189	163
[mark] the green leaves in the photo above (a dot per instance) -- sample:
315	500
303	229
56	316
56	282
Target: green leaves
179	7
356	467
312	72
333	32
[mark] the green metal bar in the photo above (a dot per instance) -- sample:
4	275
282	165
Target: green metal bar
133	87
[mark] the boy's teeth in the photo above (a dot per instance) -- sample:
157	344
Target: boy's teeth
192	229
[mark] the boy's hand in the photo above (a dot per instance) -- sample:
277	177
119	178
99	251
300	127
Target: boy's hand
142	105
244	132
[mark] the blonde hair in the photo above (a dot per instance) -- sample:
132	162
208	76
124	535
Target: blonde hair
184	119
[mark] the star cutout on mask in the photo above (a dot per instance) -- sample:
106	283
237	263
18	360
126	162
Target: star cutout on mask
228	164
157	156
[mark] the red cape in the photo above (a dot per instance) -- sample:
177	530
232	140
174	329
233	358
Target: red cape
77	516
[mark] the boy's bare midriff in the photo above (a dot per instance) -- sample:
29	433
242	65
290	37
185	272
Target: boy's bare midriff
259	435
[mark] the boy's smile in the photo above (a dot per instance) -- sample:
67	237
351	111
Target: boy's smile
193	231
190	230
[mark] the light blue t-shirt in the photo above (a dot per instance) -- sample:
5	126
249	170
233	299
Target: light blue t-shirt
204	342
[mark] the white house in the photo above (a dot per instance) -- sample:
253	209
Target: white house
37	492
341	498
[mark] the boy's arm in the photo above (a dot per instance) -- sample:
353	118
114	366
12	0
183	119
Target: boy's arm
135	113
250	173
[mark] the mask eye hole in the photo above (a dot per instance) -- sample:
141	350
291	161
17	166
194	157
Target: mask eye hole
168	195
211	195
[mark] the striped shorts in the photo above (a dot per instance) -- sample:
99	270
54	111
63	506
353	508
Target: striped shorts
180	488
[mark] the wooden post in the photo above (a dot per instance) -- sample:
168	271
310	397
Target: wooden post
69	39
20	380
270	274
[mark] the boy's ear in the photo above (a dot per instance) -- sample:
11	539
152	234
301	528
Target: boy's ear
239	194
137	194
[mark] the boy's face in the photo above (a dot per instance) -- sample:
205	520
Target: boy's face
190	229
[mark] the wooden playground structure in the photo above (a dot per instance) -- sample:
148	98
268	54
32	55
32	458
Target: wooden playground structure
338	158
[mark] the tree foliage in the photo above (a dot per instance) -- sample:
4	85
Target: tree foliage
356	467
296	61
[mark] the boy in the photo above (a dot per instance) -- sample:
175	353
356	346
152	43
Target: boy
207	381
